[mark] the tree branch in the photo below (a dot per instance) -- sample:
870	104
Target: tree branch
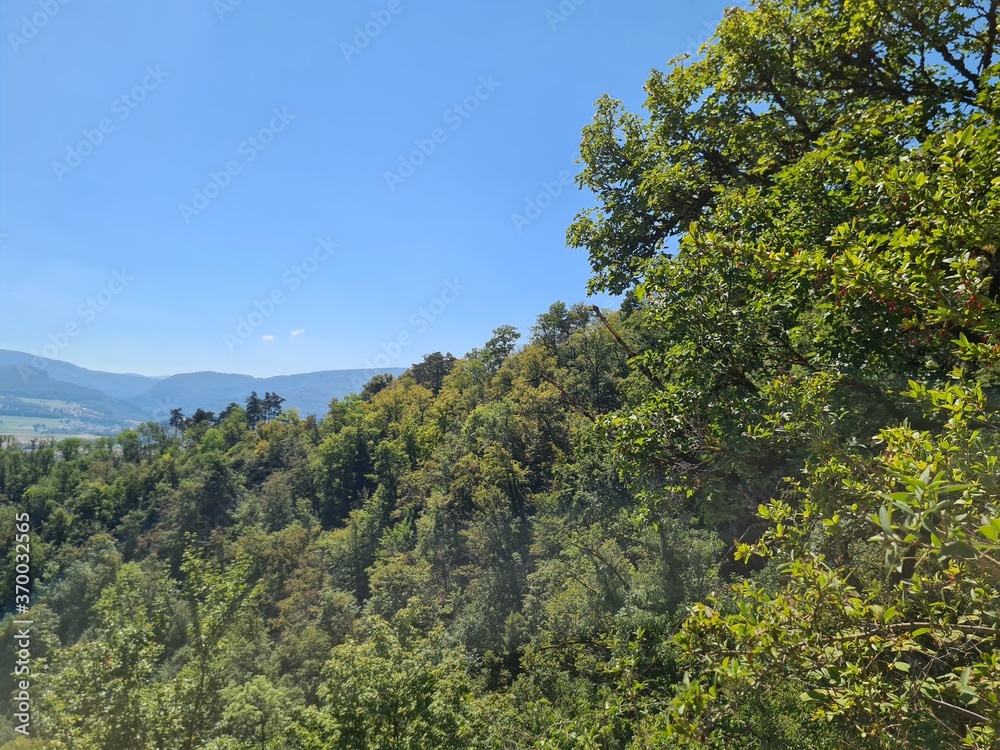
572	401
627	349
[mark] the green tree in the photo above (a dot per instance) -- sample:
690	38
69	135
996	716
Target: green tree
553	327
272	406
375	384
177	420
497	349
255	410
776	80
885	637
215	598
256	715
803	228
384	693
789	231
102	692
431	372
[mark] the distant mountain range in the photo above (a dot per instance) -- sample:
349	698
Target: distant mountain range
80	399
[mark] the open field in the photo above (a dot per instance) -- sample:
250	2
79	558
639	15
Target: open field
24	428
48	403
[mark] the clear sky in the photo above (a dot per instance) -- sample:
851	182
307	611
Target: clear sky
169	167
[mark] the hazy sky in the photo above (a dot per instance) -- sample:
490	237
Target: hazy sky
271	187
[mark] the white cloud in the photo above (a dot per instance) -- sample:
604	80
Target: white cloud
298	331
268	337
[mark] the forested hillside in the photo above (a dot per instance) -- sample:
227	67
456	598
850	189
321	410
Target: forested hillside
755	507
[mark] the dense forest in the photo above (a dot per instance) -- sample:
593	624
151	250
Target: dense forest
755	507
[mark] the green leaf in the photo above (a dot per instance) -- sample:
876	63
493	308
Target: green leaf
884	521
968	697
990	531
959	549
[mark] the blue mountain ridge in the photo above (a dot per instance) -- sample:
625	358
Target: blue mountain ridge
124	396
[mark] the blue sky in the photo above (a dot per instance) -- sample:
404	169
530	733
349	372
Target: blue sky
275	187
